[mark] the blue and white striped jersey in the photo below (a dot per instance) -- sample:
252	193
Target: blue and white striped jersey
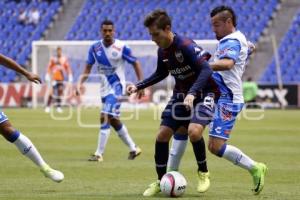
110	63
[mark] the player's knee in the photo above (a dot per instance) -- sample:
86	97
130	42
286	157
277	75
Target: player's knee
216	148
7	132
104	119
213	148
164	135
195	132
116	123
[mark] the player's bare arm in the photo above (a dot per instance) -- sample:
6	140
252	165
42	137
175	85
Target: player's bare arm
139	74
222	64
11	64
83	78
131	88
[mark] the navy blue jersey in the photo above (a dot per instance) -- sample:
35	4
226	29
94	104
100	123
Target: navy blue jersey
187	63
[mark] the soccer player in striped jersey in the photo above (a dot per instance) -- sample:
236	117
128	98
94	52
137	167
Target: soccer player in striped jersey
109	56
191	106
23	143
229	64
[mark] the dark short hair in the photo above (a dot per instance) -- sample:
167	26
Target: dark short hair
158	17
227	12
107	22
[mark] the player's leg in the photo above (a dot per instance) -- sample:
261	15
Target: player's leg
202	115
60	91
27	148
178	146
161	157
169	124
49	99
195	132
103	136
219	134
123	133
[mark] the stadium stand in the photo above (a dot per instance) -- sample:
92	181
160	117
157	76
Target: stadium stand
128	17
289	57
16	38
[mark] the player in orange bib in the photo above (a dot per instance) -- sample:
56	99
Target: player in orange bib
57	70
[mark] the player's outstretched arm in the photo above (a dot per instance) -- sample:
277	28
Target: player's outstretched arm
83	78
139	74
11	64
222	64
131	88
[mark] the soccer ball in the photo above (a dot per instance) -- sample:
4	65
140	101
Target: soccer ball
173	184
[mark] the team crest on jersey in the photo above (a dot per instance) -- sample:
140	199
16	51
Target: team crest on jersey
114	54
179	56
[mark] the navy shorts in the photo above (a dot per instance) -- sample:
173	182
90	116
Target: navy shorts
176	114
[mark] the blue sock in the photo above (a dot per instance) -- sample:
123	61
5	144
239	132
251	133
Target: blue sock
14	136
222	150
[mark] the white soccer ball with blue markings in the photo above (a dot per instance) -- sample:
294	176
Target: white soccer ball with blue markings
173	184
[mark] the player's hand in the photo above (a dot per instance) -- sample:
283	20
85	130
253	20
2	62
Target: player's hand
131	89
33	78
140	93
188	101
78	90
251	47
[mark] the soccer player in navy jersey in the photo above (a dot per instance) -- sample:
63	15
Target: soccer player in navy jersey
14	136
108	55
191	106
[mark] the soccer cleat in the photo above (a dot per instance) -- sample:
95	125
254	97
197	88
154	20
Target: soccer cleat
47	109
133	154
97	158
59	110
258	173
203	181
53	174
153	189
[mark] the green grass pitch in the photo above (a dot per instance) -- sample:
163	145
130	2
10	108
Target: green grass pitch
275	140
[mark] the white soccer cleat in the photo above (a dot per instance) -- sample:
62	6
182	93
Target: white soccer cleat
53	174
47	109
59	110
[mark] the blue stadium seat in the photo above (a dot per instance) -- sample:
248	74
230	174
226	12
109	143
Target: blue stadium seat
130	12
15	37
290	60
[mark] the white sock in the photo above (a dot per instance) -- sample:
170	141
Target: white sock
237	157
26	147
125	137
102	140
176	152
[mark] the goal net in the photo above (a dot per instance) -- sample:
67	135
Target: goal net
77	51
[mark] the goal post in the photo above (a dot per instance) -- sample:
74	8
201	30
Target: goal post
77	51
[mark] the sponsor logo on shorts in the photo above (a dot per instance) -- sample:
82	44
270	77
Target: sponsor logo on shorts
226	114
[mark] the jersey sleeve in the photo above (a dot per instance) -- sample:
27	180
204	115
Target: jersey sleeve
197	58
230	49
91	58
160	74
127	55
